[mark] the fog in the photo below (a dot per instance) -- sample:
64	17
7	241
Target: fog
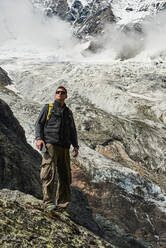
21	23
155	30
136	41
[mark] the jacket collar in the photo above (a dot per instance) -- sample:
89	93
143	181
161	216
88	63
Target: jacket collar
58	104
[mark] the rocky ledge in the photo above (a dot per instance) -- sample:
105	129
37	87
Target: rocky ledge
23	223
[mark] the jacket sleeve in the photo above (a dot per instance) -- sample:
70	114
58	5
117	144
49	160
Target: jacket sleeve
74	140
39	125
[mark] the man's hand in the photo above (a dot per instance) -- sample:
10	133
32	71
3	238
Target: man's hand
75	152
39	144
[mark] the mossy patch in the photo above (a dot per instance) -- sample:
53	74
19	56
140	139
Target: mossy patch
23	225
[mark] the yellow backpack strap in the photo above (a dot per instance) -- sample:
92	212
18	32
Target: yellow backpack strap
49	110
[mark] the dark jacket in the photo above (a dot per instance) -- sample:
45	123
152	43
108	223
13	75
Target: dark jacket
59	129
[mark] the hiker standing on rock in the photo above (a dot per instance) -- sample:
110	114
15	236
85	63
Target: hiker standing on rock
55	131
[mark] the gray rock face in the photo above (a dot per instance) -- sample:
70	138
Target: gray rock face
19	162
82	212
128	200
93	17
56	7
4	78
127	220
109	204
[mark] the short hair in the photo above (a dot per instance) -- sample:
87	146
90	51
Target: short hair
62	87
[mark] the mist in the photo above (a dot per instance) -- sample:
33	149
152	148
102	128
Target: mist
21	23
149	42
118	44
155	30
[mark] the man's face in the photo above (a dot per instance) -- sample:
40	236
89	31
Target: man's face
60	95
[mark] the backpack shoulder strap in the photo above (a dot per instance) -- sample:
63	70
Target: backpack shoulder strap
49	110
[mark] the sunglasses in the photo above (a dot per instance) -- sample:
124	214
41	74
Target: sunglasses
60	92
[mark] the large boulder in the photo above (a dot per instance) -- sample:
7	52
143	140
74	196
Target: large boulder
19	162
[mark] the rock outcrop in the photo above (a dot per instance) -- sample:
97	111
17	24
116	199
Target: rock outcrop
19	162
126	220
92	19
4	78
56	8
23	223
85	20
131	200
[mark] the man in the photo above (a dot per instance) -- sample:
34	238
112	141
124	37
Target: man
55	130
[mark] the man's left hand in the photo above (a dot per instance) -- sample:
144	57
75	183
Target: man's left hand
75	152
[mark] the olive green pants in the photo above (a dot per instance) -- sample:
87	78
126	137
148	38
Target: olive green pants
56	160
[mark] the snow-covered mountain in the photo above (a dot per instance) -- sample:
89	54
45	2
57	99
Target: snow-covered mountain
124	11
110	55
108	29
